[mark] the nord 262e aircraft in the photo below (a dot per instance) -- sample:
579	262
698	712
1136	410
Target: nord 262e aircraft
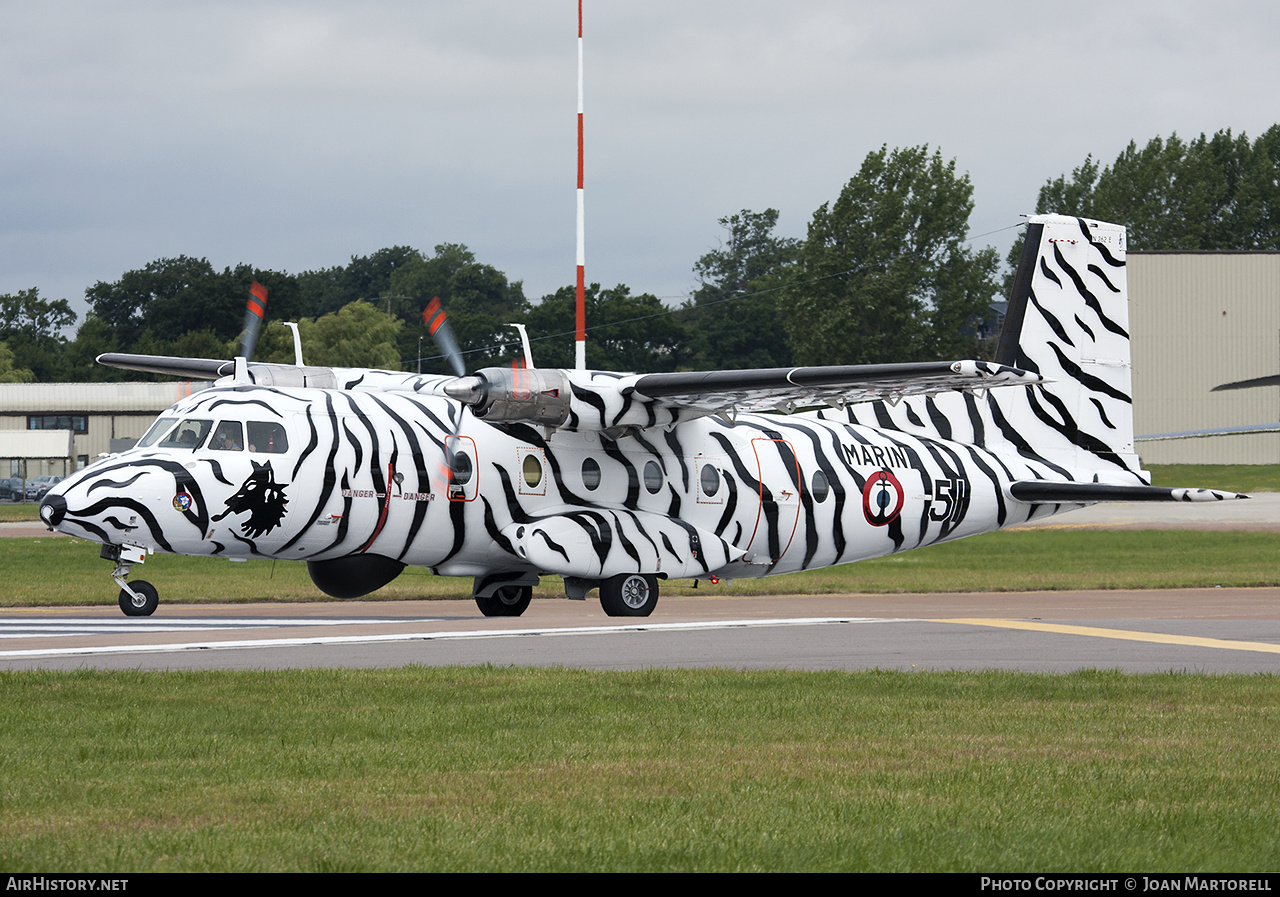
617	481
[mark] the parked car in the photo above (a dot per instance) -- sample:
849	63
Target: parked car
40	485
10	488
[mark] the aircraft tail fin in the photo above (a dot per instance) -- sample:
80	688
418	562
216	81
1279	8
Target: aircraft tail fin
1067	323
1068	320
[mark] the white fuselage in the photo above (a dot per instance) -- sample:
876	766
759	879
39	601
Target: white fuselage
321	474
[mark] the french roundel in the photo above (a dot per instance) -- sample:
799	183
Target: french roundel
882	498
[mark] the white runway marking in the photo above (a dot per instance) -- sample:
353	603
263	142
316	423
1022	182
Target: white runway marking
64	627
385	637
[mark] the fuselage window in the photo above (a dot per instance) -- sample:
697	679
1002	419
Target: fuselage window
820	486
267	438
591	474
532	470
710	480
229	437
461	468
652	477
189	434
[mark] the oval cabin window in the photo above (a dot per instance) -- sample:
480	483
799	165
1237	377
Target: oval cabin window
532	470
591	474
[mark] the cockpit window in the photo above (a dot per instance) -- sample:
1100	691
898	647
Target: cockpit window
229	437
158	429
267	438
189	434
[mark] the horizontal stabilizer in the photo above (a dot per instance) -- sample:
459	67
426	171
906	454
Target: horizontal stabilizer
1046	492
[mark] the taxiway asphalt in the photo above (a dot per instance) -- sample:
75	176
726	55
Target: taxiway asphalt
1198	630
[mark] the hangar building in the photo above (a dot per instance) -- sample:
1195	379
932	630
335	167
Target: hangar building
82	420
1198	320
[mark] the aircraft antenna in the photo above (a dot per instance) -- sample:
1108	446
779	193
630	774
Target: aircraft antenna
580	346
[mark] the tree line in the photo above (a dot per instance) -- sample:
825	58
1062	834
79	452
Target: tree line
885	273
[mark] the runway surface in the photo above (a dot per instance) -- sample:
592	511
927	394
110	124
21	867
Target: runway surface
1203	630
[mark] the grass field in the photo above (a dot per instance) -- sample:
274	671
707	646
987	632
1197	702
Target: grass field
43	571
484	769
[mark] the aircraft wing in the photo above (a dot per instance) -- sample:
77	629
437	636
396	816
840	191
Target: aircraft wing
595	400
187	368
1273	380
1242	430
765	389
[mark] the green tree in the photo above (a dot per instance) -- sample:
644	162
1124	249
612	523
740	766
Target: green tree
366	277
732	321
1213	193
173	285
357	335
32	328
9	373
624	332
480	301
884	275
93	339
170	298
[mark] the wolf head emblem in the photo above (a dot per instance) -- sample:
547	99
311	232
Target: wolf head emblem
262	497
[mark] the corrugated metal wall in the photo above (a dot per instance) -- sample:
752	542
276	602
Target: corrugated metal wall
1199	320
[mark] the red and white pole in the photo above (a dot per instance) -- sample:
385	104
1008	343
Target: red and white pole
580	351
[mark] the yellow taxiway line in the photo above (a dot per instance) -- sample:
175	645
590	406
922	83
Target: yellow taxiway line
1125	634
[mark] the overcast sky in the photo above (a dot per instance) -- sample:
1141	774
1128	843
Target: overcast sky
293	135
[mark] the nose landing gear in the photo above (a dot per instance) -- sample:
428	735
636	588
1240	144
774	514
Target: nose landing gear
141	598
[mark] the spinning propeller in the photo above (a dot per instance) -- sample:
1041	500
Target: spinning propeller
253	313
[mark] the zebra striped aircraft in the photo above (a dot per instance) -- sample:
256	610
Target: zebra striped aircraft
618	481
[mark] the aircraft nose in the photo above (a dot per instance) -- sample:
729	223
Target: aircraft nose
53	509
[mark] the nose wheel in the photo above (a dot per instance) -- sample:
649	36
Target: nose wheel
139	599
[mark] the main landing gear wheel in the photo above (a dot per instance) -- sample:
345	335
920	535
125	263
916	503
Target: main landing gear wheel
144	605
507	601
629	595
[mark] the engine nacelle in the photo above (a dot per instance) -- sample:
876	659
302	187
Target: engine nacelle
531	395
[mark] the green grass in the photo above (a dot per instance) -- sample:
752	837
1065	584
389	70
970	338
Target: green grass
44	571
11	513
1228	477
494	769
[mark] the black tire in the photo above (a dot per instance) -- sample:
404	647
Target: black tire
629	595
151	600
507	601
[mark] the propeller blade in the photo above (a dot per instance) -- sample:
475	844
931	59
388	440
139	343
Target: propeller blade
253	313
438	325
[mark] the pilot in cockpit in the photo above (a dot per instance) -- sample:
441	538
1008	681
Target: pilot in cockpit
227	438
